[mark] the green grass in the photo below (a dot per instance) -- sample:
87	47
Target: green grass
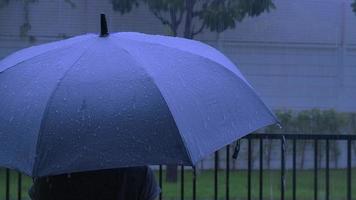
238	185
271	185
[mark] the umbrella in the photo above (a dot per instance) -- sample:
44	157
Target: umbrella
123	99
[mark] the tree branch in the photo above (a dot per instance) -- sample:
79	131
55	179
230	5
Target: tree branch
194	33
162	19
353	5
174	24
173	13
180	17
202	6
189	6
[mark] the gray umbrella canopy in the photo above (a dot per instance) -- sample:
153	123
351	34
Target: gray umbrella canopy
128	99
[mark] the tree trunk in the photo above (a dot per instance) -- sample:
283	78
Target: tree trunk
188	19
174	22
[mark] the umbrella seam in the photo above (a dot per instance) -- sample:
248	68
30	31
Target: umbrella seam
43	53
149	76
160	44
35	167
206	58
209	60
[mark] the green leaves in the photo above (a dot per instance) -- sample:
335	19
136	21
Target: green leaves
124	6
4	3
314	121
164	5
253	8
215	15
222	15
353	5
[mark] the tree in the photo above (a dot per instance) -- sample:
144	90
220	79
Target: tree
353	5
334	123
198	15
26	25
3	3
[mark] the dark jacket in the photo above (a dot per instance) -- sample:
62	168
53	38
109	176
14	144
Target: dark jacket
134	183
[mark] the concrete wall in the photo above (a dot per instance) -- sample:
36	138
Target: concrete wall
301	55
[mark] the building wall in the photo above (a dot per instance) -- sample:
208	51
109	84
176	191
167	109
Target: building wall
300	56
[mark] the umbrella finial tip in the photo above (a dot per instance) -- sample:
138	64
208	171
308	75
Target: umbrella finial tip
104	27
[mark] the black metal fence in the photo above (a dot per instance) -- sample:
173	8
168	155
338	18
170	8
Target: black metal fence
284	139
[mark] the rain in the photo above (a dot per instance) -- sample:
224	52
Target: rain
168	91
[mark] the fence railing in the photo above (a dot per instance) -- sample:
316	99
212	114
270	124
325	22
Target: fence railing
284	140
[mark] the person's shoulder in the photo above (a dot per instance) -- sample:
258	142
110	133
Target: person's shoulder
139	171
137	175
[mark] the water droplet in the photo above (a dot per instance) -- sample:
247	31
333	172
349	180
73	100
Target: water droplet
205	125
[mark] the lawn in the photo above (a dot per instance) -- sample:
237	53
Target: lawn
238	185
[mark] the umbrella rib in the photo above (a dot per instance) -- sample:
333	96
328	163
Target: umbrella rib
206	58
150	77
186	51
41	54
229	71
35	168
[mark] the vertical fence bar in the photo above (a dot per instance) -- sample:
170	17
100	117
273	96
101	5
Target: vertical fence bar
227	191
182	182
216	166
19	186
349	169
327	160
294	168
160	181
249	169
7	185
315	169
282	167
261	169
194	183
